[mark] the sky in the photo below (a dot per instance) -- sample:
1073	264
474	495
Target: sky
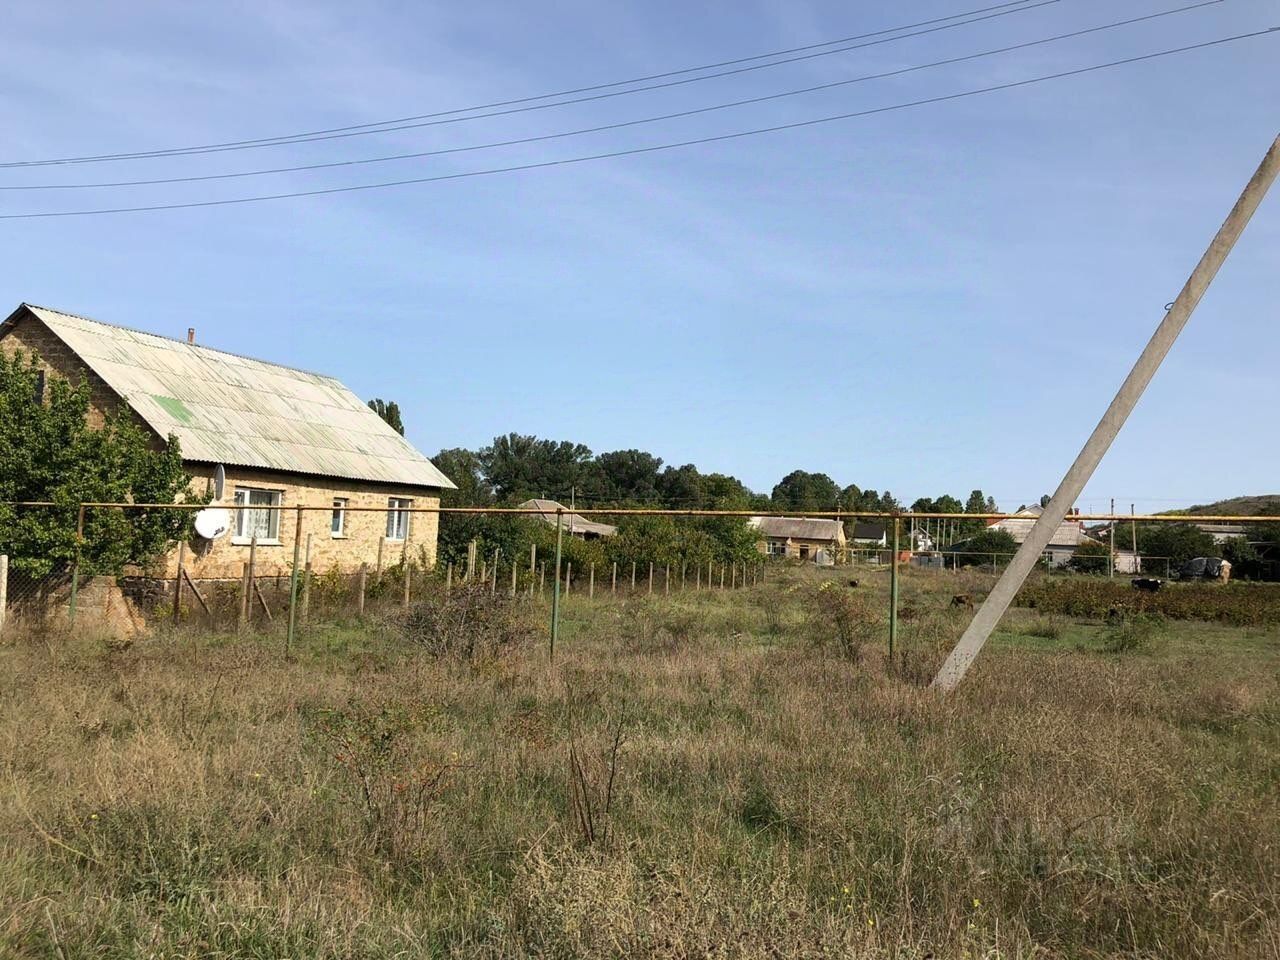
924	300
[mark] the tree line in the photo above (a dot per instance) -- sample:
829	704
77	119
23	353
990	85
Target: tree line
515	468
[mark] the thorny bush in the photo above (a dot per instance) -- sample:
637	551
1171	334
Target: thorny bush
843	617
468	622
383	774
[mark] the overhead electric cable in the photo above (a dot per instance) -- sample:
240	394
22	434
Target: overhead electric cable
409	123
656	148
612	126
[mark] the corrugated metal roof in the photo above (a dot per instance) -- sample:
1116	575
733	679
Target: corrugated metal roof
799	528
573	522
234	410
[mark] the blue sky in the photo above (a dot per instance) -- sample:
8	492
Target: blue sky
927	300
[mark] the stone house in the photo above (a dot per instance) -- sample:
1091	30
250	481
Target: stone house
811	541
574	524
1062	546
252	434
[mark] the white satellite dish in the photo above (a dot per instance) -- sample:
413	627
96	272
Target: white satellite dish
212	522
219	481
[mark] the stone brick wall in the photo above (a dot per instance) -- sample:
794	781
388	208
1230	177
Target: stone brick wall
363	530
33	338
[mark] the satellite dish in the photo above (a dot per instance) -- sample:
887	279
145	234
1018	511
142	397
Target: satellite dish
219	481
212	522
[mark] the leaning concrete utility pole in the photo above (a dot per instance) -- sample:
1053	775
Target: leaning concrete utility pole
993	608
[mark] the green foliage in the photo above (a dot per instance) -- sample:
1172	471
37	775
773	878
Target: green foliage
979	549
1134	632
48	452
389	411
1091	557
803	491
1238	604
1179	542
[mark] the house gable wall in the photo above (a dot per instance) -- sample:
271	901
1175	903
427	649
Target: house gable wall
30	336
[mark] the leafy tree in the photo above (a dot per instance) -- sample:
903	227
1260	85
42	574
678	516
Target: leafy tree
1266	533
1179	542
980	548
803	491
389	411
463	467
624	475
1091	557
519	466
48	452
1244	557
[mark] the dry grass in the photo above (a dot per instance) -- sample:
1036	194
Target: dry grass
767	796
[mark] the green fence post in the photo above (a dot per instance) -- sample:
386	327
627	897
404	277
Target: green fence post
555	593
893	589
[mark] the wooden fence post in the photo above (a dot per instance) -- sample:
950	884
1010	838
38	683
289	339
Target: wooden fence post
568	577
448	577
591	586
306	583
666	580
246	599
493	588
177	581
542	579
722	576
533	566
361	583
633	576
651	578
513	576
382	542
408	572
614	587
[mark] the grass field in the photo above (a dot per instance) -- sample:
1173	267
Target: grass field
736	774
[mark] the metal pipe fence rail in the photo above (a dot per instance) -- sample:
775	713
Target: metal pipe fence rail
257	597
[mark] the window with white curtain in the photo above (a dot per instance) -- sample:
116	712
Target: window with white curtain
263	524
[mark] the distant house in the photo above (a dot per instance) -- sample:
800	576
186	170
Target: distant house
1222	532
812	541
252	434
574	524
1062	546
871	534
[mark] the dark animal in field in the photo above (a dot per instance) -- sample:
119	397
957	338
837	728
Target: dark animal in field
853	583
962	600
1150	584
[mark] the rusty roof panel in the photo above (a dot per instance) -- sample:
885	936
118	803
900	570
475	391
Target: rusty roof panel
234	410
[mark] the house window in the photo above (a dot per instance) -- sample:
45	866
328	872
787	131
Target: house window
398	518
776	548
39	386
263	524
338	522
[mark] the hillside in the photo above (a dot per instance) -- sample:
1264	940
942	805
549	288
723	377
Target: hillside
1250	505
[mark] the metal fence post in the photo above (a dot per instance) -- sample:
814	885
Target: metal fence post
893	589
555	594
293	579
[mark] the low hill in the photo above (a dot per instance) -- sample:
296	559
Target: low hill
1244	506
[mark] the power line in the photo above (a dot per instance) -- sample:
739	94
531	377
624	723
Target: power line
634	151
612	126
409	123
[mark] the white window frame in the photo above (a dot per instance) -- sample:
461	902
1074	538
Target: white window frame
776	548
398	518
339	514
246	521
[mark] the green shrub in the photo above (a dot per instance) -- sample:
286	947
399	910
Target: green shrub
1131	632
842	617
